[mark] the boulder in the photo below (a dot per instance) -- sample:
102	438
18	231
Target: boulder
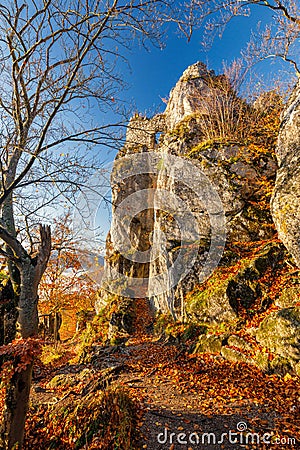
209	344
271	364
235	356
237	341
290	296
280	333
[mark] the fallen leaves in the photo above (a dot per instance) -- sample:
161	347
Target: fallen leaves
177	389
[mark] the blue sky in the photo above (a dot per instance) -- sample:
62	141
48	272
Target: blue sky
155	72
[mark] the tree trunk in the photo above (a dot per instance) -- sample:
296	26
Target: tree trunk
16	407
28	301
11	290
18	392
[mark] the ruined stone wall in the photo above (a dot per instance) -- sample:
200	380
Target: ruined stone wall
142	131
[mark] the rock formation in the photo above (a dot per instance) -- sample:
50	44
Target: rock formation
228	167
185	97
286	198
177	193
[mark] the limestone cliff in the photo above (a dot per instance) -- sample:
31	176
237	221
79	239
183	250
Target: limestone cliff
192	228
233	173
286	197
185	97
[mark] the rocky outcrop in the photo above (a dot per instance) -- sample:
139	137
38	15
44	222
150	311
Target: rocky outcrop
274	346
280	333
236	290
286	197
185	97
215	188
232	172
176	196
247	290
235	355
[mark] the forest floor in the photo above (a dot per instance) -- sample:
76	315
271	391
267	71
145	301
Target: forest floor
189	401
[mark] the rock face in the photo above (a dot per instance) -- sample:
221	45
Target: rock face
286	198
186	95
279	332
229	293
140	138
227	200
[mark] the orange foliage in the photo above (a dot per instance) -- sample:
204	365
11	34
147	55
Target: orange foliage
65	287
18	355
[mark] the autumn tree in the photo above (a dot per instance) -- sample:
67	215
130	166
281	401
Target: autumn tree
65	287
58	60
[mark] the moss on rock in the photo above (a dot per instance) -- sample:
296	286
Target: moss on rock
237	341
235	356
261	360
237	288
209	344
61	380
281	366
290	297
280	333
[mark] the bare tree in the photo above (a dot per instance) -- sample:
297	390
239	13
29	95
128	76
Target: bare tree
58	61
226	116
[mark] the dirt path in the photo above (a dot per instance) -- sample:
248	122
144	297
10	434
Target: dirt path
202	399
199	401
201	395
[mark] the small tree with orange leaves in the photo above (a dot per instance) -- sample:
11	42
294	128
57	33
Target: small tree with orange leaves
65	287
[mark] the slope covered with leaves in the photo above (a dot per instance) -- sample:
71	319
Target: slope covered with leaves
131	396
